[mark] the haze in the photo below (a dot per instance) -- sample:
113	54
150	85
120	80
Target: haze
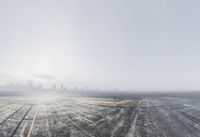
126	44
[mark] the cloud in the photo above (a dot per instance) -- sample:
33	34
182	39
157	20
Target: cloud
44	76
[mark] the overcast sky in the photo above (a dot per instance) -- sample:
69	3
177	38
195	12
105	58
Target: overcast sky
129	44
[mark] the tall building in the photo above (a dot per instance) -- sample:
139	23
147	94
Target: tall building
54	87
75	88
40	87
30	84
61	87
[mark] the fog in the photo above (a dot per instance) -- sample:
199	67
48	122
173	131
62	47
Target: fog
130	45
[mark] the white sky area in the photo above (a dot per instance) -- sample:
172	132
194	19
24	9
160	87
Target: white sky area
126	44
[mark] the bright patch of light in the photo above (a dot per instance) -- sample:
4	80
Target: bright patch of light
41	99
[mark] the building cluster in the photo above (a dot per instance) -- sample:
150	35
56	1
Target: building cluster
22	87
29	86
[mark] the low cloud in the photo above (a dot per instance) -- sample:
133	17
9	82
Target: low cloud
44	76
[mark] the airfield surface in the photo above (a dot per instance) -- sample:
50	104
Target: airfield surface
99	117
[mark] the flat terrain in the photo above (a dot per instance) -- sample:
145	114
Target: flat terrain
99	117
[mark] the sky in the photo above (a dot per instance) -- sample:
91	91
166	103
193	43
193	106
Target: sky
128	44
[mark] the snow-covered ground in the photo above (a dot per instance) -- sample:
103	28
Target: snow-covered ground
99	117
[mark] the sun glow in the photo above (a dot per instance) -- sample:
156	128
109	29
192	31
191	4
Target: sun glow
43	66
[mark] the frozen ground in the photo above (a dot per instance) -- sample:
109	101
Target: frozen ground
99	117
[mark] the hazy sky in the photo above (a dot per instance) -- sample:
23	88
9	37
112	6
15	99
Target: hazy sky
129	44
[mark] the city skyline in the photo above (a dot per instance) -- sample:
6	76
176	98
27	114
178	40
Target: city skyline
35	86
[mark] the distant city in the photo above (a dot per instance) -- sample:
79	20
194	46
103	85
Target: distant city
31	86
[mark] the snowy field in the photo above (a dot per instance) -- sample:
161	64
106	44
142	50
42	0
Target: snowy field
99	117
